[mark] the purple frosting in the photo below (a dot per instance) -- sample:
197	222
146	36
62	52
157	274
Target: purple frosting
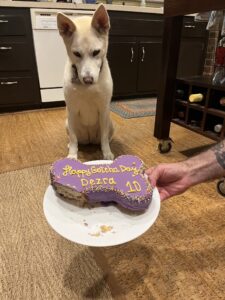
122	181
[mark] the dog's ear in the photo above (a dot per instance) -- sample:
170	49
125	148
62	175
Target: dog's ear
65	25
100	20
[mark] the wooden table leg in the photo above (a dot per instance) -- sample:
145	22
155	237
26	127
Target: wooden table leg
170	55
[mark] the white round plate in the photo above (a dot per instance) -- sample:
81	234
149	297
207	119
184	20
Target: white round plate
99	226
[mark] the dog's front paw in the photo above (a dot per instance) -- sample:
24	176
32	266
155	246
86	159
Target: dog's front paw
73	156
108	156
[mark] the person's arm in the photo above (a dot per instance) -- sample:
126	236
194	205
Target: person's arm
175	178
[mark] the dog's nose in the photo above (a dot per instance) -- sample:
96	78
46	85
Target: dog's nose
88	79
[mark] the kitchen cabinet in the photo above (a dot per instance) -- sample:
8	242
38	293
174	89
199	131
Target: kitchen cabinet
123	61
149	66
19	86
135	51
135	66
191	58
192	48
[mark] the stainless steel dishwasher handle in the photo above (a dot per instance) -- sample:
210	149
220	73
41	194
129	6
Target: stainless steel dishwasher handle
9	82
132	54
4	21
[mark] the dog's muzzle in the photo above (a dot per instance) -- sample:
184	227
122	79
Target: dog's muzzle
88	79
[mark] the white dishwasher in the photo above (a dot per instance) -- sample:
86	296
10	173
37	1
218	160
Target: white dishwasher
50	51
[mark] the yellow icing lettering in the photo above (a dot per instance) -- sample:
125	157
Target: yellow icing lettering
92	182
105	180
136	171
112	170
84	182
103	170
130	169
112	181
98	181
93	170
67	169
82	172
133	187
137	186
123	168
88	173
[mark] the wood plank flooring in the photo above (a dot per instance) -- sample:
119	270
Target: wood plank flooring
183	255
38	137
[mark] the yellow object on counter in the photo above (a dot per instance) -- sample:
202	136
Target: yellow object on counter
195	97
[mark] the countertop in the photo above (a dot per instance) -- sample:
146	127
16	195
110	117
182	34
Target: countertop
57	5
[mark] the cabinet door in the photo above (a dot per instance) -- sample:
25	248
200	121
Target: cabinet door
191	58
122	58
19	84
149	66
12	22
15	56
18	90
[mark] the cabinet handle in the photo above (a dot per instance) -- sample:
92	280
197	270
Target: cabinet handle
132	54
8	82
143	54
189	26
6	48
4	21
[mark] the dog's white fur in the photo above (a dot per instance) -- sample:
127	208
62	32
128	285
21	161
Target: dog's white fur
87	80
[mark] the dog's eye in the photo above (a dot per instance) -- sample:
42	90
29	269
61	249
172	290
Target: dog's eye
76	53
95	52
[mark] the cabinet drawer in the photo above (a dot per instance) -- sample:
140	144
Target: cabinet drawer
194	29
18	90
12	25
138	27
15	56
154	28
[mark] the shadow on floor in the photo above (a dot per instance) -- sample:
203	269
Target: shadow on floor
193	151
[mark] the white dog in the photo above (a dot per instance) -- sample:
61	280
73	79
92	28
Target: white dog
87	80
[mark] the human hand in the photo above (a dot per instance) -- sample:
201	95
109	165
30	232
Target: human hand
170	179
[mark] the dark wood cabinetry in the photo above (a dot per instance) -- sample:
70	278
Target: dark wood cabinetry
135	65
123	61
149	66
192	48
19	86
191	58
135	51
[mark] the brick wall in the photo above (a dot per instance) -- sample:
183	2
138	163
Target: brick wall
210	52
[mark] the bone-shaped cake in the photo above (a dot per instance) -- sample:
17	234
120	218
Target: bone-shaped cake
123	181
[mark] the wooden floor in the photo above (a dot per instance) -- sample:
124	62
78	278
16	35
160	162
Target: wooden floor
183	255
39	137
